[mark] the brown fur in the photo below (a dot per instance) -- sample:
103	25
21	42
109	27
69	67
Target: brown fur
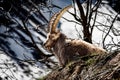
66	50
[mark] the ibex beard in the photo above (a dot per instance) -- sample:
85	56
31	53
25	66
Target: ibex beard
66	49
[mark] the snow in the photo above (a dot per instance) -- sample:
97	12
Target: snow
11	70
104	18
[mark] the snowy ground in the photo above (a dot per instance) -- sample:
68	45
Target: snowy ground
12	70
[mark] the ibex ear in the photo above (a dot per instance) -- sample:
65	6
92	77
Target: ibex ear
58	31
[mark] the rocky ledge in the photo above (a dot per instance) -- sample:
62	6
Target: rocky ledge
93	67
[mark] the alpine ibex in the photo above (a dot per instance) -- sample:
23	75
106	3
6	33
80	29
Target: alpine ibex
66	49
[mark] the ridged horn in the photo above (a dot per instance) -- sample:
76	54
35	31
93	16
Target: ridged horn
55	19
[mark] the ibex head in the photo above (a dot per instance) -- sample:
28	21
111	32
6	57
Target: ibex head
52	38
53	35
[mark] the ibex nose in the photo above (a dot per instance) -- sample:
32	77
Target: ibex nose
44	44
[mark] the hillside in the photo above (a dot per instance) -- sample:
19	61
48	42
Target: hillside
96	67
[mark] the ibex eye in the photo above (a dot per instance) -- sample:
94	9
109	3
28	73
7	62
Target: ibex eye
50	36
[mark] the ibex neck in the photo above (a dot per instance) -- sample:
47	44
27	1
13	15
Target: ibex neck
60	42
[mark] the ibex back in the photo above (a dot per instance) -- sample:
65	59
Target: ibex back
66	49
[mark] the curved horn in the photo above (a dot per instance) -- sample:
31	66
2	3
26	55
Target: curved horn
55	19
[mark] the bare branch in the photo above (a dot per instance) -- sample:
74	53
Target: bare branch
109	31
34	43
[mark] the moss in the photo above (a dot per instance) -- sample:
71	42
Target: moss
70	63
43	78
90	61
116	79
